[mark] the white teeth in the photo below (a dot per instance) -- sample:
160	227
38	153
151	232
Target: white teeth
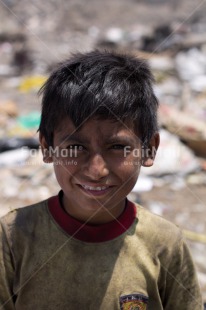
91	188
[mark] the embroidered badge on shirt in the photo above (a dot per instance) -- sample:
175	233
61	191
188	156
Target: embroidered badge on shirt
133	302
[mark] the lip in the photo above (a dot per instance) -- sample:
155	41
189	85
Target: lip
87	188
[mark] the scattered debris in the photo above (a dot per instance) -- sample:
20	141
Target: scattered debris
8	108
143	184
191	64
158	207
13	158
155	30
13	143
30	121
195	236
173	157
190	129
32	83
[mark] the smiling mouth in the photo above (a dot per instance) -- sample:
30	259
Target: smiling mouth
95	190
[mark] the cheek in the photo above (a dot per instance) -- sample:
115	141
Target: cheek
65	171
131	165
129	171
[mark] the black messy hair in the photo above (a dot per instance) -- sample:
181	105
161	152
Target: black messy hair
100	84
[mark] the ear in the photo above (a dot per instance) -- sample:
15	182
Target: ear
47	156
150	151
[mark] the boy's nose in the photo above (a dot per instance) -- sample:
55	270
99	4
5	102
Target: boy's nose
96	167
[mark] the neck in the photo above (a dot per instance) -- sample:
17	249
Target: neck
93	216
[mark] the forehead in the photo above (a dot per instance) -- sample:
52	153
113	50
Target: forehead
100	128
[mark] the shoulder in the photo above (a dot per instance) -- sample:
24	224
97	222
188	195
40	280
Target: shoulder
148	218
24	218
157	232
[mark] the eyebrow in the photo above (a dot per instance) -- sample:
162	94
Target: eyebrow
120	139
73	137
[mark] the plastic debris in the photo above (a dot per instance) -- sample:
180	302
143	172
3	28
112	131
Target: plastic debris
31	83
144	184
29	121
14	158
191	64
172	157
114	34
14	143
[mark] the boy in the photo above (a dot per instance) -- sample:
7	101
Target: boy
89	247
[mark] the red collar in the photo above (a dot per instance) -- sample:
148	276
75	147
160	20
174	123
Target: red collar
91	233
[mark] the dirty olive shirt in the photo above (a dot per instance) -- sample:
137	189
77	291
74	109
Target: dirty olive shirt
139	261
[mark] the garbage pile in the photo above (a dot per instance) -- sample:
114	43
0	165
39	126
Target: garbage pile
175	47
24	177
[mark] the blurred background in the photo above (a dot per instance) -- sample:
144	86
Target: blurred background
171	35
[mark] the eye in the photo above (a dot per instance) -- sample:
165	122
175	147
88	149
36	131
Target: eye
118	146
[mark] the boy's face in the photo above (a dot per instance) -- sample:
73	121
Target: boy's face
96	165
